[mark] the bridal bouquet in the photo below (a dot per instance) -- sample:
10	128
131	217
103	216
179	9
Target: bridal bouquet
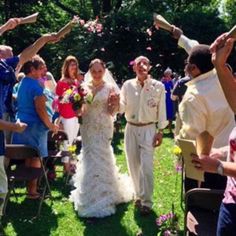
77	96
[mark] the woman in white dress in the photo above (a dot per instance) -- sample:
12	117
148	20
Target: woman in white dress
99	186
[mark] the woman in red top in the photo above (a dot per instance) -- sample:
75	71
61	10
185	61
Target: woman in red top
70	75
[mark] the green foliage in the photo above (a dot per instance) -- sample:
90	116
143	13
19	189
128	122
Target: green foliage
124	36
229	13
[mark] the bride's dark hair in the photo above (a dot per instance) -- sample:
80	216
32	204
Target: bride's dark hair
99	61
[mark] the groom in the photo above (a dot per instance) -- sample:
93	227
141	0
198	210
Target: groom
143	102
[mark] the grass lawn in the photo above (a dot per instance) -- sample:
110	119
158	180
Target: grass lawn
61	219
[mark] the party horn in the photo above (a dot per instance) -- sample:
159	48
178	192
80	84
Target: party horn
161	22
67	28
29	19
232	33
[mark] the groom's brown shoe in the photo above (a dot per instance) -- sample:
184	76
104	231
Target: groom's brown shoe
138	204
145	211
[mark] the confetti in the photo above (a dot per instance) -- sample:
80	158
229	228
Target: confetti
131	63
149	32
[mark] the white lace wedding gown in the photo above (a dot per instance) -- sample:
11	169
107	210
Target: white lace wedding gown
99	185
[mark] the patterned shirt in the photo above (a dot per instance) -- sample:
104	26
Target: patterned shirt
230	191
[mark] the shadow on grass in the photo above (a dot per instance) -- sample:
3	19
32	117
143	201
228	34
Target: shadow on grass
147	224
116	142
168	135
107	226
21	217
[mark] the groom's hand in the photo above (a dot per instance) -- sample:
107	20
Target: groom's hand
113	102
157	140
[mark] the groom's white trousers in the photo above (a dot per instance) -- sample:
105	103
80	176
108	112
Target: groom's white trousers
139	155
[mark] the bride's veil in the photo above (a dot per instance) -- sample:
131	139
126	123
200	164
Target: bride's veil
107	78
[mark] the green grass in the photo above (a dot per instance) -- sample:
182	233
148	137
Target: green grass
59	218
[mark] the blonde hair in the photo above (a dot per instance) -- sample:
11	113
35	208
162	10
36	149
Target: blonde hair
65	67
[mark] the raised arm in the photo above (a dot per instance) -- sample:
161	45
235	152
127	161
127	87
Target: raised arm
183	41
9	25
227	79
33	49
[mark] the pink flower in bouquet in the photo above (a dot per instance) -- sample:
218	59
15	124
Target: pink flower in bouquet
77	96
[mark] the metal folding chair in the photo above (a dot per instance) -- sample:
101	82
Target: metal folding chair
201	211
16	155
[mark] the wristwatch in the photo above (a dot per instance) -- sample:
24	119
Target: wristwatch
220	169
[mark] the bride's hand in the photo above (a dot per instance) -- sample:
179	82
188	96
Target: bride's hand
113	102
83	110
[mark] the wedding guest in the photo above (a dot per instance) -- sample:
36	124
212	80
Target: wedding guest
8	64
204	107
9	126
31	109
143	102
49	82
70	76
223	160
167	81
177	96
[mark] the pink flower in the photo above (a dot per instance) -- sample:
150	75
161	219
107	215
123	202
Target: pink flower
82	22
149	32
90	29
167	233
178	168
131	63
99	28
158	222
233	144
149	48
103	49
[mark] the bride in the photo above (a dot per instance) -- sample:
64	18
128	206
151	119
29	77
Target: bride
99	186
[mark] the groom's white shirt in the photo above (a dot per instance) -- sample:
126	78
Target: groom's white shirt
144	104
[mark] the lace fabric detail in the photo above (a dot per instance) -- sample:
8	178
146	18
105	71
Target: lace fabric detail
99	186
